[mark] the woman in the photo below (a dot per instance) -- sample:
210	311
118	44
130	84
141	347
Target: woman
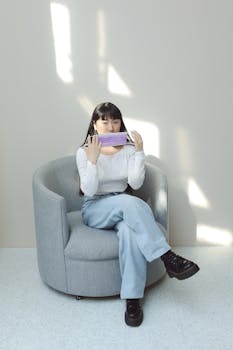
107	174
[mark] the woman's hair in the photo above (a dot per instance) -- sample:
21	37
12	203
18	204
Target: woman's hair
105	111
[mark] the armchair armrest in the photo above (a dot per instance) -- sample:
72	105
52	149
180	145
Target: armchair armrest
52	233
155	192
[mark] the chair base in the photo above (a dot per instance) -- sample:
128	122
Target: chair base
91	278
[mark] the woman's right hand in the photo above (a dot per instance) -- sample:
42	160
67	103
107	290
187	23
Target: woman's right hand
93	148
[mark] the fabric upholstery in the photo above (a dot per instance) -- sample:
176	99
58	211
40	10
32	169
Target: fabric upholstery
87	243
72	257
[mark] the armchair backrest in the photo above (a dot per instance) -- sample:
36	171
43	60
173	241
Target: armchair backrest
154	191
61	176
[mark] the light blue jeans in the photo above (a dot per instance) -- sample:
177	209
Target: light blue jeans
140	238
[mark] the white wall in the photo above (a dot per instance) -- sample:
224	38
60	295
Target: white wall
167	63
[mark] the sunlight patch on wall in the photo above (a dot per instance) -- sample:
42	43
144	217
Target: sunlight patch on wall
196	196
101	40
62	43
213	235
86	104
149	133
116	85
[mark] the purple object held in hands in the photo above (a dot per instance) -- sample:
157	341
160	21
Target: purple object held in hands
113	139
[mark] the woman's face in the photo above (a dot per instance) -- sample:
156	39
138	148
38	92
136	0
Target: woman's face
109	125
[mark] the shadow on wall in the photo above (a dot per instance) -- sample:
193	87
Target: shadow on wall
184	206
181	216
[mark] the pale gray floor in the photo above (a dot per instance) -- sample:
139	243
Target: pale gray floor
193	314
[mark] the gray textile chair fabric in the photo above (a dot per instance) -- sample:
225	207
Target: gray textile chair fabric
72	257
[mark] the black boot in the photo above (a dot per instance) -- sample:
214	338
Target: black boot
178	267
133	313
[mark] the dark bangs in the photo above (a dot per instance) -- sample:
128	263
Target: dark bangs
106	110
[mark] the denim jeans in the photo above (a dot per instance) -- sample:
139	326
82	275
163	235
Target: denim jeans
140	238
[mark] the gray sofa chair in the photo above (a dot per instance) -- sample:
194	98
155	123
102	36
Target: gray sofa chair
73	258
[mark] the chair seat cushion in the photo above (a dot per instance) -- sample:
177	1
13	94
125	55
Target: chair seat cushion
86	243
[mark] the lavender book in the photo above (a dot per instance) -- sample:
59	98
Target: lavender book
113	139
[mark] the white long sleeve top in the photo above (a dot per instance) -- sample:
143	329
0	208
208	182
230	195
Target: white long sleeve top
111	173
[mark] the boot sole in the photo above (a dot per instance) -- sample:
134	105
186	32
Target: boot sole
132	322
186	274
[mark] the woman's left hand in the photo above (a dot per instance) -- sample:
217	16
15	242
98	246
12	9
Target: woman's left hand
137	140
